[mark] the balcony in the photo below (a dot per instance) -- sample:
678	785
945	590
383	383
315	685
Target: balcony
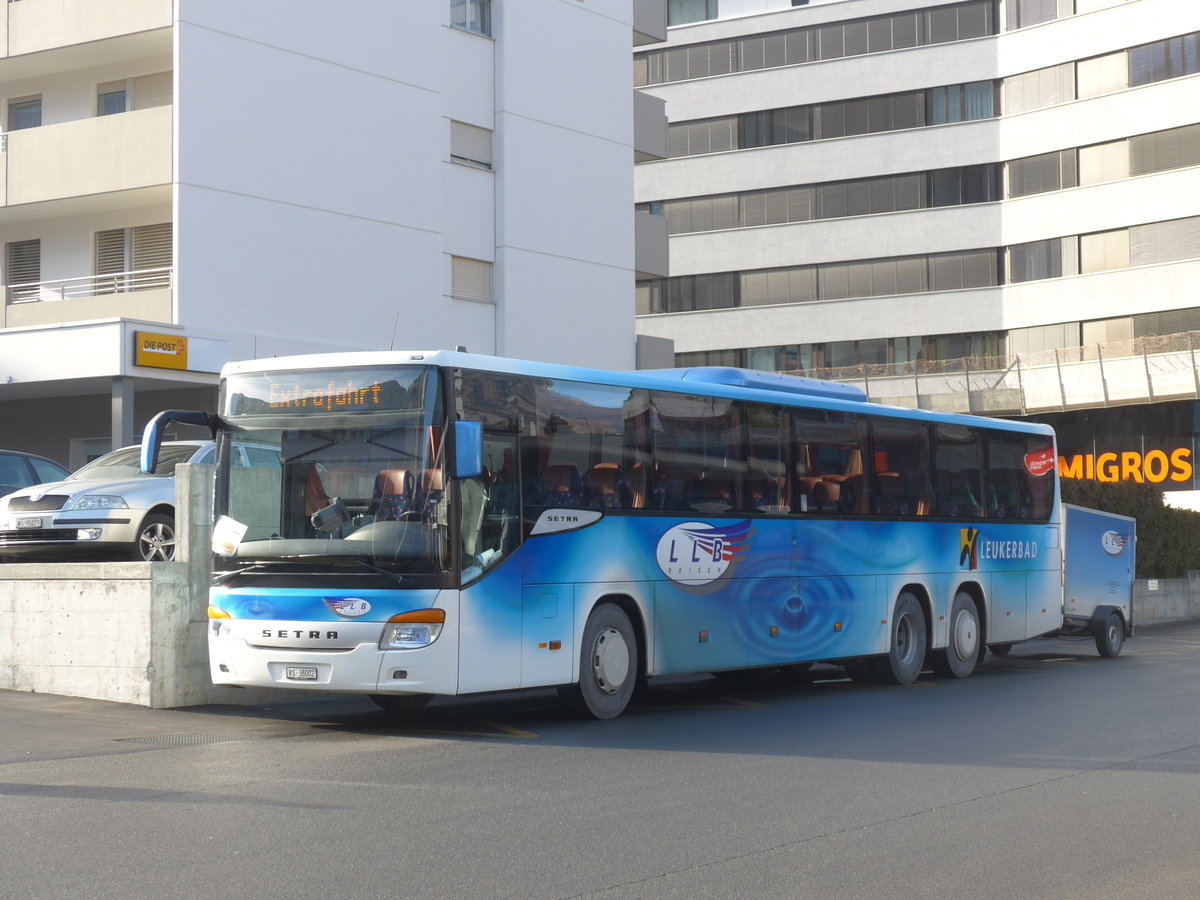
1121	373
30	27
649	22
650	246
142	294
649	127
87	157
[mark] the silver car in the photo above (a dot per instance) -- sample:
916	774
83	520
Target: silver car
107	508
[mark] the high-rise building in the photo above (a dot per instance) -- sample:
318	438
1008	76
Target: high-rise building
889	190
188	182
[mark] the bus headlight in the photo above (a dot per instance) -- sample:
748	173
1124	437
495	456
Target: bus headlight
412	630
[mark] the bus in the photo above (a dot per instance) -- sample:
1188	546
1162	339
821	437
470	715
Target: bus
443	523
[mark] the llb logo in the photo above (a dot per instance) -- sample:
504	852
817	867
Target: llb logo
699	556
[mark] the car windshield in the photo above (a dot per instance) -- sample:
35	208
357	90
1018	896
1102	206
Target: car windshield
122	464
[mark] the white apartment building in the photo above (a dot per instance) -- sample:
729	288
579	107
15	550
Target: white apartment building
188	182
890	183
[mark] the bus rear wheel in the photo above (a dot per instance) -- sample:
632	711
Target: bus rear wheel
608	666
906	644
961	655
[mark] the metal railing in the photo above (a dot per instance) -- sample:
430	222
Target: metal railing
90	286
1117	373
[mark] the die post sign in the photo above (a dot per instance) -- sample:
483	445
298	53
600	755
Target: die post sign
160	351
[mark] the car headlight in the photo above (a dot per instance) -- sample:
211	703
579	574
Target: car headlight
412	630
98	501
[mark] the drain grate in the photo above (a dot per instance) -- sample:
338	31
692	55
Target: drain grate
186	740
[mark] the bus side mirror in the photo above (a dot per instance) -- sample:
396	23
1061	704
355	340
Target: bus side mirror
468	449
152	435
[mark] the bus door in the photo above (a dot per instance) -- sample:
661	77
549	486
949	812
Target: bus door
490	606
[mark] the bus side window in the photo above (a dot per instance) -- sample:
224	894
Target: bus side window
828	461
958	461
902	446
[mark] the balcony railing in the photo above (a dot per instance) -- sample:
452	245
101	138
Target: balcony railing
1142	370
90	286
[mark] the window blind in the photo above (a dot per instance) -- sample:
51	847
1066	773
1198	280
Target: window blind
23	262
470	143
470	278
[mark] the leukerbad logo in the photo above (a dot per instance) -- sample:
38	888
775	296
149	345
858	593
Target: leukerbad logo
700	557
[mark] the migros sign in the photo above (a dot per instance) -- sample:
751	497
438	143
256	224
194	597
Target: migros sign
1151	467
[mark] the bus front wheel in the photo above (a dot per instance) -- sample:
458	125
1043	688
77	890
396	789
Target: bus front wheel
608	666
906	647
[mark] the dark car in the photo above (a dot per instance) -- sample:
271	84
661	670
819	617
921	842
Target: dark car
18	470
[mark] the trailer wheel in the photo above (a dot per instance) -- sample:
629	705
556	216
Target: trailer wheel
960	657
906	647
1111	638
608	666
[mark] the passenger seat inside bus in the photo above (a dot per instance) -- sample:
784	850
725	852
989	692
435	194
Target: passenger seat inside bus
393	493
600	487
561	485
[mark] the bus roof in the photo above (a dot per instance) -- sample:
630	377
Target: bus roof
716	381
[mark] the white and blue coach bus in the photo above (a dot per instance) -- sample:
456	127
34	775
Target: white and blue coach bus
443	523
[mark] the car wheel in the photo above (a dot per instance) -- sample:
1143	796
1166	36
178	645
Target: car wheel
155	540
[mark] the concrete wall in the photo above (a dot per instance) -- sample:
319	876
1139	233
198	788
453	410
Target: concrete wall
1166	599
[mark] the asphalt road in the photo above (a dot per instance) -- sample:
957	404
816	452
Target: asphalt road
1051	773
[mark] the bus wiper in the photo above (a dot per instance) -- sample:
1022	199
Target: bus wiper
222	577
332	562
366	563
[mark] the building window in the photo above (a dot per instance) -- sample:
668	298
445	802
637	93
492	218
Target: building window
1161	242
1038	174
23	266
1172	58
832	200
1039	89
142	92
885	277
911	28
111	98
1023	13
473	15
1104	250
683	12
24	113
1035	260
126	252
470	145
960	102
470	279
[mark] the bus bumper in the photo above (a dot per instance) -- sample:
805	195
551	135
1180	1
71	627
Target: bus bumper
361	669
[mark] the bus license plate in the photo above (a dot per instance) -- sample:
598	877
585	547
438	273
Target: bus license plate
301	673
29	523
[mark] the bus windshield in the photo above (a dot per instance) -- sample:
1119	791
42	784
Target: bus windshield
351	470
